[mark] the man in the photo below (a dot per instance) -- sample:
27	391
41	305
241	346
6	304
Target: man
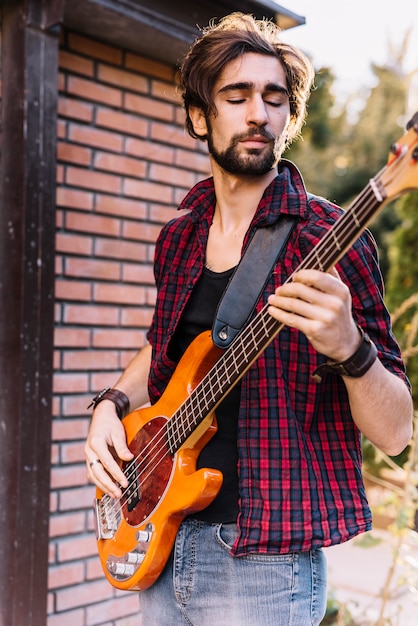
287	445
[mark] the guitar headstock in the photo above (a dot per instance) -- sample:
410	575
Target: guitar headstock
400	174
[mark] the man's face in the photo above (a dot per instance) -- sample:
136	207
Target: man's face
248	133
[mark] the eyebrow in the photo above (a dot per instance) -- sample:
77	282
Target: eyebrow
247	86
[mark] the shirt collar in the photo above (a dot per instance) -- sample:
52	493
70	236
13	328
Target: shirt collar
285	194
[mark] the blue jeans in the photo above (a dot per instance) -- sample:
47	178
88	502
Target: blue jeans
203	585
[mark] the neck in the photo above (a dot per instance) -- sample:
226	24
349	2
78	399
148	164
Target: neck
237	197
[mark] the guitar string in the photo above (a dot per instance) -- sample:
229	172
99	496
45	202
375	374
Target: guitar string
224	361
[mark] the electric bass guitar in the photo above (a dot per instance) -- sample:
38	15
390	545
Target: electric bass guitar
136	533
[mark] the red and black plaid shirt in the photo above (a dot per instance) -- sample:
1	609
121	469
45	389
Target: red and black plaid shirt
299	449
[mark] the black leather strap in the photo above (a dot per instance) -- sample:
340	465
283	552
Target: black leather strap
249	280
354	367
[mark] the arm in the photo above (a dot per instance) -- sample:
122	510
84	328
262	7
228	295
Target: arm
319	305
106	433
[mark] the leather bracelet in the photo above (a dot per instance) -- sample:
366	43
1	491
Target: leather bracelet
354	367
119	399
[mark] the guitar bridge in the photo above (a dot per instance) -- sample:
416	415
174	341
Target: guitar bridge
107	517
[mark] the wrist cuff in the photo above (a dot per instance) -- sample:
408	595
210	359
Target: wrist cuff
119	399
354	367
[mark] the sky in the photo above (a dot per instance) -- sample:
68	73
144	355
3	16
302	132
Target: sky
349	36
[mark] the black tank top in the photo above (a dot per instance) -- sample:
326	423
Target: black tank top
221	451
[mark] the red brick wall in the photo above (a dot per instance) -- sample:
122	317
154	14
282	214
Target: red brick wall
124	163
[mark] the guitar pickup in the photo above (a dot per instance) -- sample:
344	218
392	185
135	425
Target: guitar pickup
132	493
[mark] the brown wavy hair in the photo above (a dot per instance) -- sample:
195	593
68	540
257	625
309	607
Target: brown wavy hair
222	42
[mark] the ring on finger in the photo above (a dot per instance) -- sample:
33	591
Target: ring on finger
94	462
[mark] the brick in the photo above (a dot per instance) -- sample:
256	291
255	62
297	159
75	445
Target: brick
71	337
181	121
113	609
74	199
95	137
72	290
53	507
59	174
95	49
97	224
172	175
161	214
165	91
101	380
142	231
122	294
67	618
127	356
77	499
62	81
123	207
74	109
93	569
193	161
55	454
120	164
87	179
74	244
68	476
122	78
70	153
94	315
73	405
137	317
67	429
61	129
72	452
75	63
173	135
120	249
149	150
82	595
122	122
150	296
65	524
64	382
148	107
148	66
136	273
90	90
149	190
87	360
118	338
65	575
92	268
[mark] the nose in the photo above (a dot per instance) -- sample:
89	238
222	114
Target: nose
257	111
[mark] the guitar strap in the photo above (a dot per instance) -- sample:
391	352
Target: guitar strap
249	280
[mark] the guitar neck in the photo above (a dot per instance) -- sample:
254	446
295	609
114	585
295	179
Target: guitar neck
259	333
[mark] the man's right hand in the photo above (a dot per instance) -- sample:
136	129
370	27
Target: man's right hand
105	445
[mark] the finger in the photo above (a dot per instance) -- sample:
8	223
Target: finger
101	477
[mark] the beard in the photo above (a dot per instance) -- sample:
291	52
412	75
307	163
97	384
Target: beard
255	162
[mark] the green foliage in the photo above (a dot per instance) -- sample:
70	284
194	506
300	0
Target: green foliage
402	284
343	147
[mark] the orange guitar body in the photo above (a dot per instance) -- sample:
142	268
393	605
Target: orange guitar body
172	490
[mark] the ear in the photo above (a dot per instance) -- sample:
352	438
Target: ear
198	120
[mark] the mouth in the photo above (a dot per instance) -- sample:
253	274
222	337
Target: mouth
255	141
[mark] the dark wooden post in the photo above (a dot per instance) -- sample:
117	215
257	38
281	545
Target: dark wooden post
27	225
